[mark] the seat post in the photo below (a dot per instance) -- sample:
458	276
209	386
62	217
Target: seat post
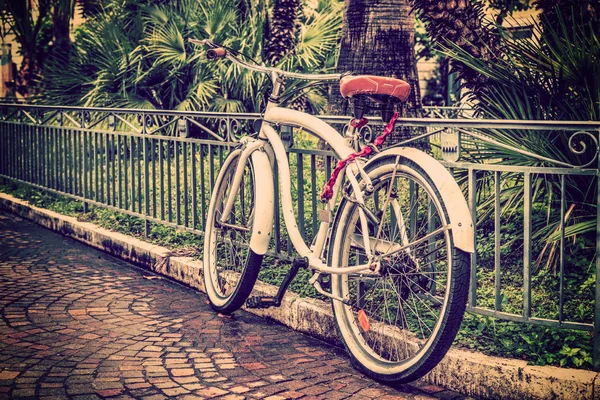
387	109
359	108
277	81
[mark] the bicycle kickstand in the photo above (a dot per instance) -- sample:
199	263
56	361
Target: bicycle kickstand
268	301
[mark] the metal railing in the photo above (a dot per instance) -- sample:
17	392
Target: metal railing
155	166
458	110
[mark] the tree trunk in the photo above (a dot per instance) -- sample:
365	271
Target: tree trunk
28	76
61	21
378	39
282	34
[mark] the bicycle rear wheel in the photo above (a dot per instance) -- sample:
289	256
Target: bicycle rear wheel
399	322
230	267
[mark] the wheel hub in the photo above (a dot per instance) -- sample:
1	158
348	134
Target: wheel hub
405	272
397	264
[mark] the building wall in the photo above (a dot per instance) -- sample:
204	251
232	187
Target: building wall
10	51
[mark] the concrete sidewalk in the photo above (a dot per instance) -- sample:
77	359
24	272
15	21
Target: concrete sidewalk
80	324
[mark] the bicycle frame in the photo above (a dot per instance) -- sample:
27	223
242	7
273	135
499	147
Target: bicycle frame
340	147
269	141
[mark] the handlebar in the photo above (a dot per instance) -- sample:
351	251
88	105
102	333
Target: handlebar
216	51
213	54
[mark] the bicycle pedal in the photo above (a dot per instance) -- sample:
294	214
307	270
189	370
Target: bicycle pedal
261	302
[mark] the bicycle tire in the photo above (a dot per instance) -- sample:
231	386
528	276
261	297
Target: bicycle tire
230	267
384	340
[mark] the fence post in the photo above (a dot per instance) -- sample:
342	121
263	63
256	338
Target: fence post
596	344
472	182
146	144
527	250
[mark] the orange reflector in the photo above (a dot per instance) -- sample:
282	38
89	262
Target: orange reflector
363	320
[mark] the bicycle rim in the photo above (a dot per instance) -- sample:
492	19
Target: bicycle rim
393	323
230	267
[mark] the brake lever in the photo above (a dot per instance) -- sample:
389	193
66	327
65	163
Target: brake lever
203	42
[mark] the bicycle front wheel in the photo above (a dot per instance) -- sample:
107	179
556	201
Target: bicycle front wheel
230	266
398	322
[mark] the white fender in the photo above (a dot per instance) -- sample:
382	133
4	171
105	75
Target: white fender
461	220
263	202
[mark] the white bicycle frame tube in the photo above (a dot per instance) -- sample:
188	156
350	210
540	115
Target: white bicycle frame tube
268	137
289	217
340	147
264	217
324	131
321	129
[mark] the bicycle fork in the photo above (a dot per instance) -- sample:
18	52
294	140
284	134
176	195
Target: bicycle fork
264	192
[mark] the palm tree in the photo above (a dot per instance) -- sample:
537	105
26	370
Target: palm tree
29	23
316	48
461	23
378	38
385	47
585	10
281	38
63	11
553	78
137	55
41	27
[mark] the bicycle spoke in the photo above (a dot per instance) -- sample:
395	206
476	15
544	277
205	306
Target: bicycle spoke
410	243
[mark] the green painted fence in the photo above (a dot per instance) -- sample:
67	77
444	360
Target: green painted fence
160	166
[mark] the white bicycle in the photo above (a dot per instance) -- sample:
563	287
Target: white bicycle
395	253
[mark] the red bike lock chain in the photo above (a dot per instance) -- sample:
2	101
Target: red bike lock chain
327	193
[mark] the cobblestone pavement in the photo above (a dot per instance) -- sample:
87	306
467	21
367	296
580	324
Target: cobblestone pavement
79	324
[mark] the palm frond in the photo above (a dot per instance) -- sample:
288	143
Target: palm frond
167	47
550	78
137	55
221	104
319	38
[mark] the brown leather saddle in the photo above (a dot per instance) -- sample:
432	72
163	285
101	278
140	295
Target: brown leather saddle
379	89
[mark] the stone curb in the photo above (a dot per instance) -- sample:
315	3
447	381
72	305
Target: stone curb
463	371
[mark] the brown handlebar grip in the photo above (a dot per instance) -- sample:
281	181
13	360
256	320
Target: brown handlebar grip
213	54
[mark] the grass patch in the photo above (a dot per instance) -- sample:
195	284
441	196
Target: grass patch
113	220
